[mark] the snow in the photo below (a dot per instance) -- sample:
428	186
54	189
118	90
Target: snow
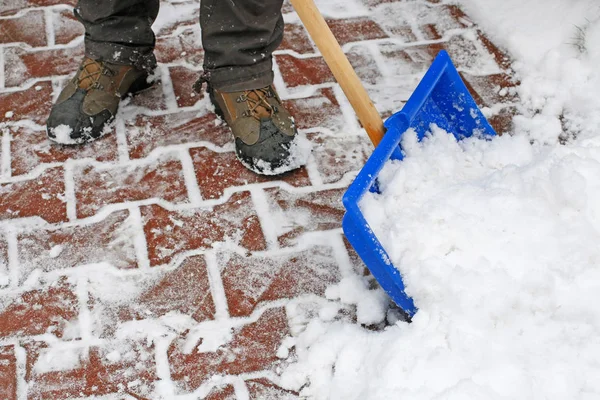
62	134
497	241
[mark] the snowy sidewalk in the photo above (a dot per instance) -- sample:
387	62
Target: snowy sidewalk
151	264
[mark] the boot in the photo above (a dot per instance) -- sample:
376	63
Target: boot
88	104
264	131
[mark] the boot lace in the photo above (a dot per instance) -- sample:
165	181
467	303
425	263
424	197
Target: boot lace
91	70
258	103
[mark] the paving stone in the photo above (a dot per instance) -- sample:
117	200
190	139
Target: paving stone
183	79
264	389
160	178
184	47
185	289
145	133
502	122
338	155
8	373
251	280
30	149
110	240
252	348
22	65
355	30
222	393
314	70
295	214
13	6
42	196
169	233
34	312
24	29
216	172
491	89
66	27
296	38
303	71
129	369
364	65
320	110
33	103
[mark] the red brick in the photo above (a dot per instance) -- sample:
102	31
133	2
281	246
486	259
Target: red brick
251	280
37	311
28	28
12	6
338	155
487	88
183	79
185	47
66	27
301	213
314	70
306	71
185	289
33	103
502	58
42	196
295	38
502	122
148	133
253	348
320	110
134	374
30	149
109	240
217	171
407	63
96	187
264	389
222	393
169	233
355	30
8	373
152	98
364	65
22	65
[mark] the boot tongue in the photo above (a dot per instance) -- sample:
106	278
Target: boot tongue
90	73
258	101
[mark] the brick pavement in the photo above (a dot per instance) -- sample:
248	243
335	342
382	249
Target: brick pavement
151	264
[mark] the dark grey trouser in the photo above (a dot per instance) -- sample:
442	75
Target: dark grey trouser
238	36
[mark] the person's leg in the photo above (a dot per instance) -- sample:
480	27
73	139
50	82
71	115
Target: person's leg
119	45
119	31
239	37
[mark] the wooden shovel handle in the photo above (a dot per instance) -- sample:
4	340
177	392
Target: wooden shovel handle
340	66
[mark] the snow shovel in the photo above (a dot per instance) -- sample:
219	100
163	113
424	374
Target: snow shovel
441	98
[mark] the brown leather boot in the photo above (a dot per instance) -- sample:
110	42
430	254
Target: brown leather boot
89	102
264	131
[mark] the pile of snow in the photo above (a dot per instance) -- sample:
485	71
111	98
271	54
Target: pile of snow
497	240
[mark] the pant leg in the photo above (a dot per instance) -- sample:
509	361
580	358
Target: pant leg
119	31
239	37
